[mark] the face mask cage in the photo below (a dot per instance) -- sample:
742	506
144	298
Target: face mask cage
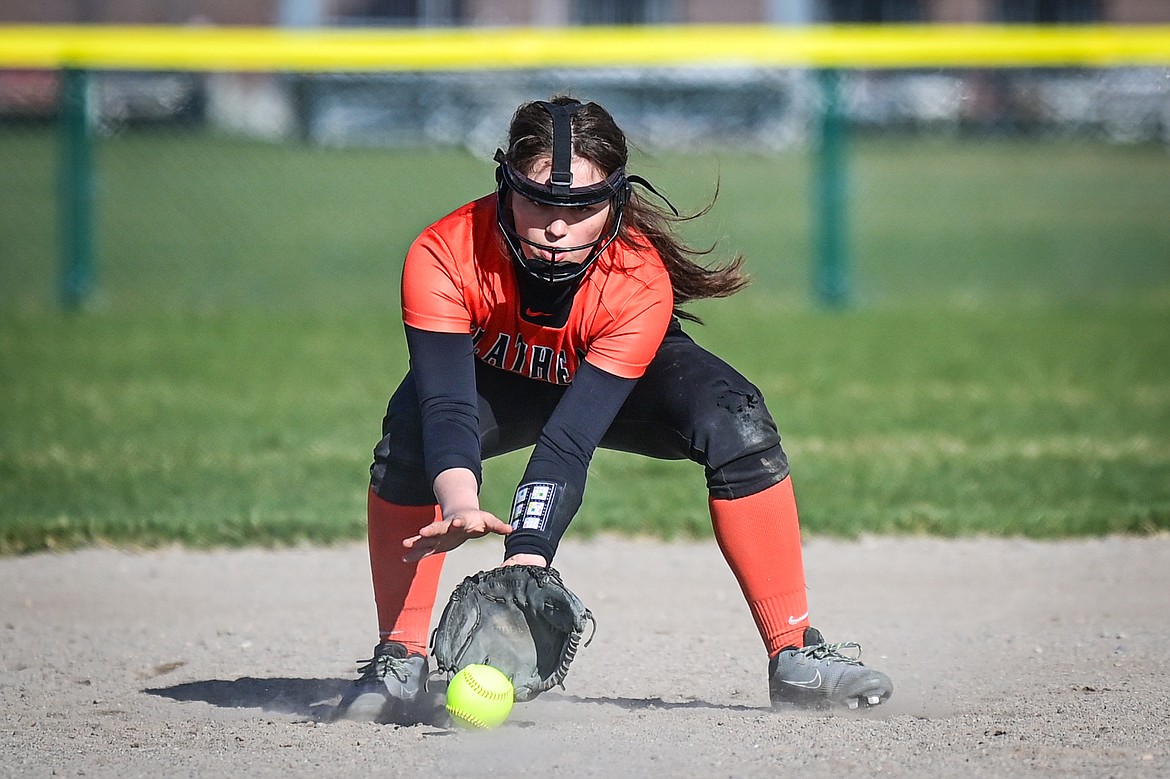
558	192
552	270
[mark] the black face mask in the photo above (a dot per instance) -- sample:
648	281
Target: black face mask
552	270
547	285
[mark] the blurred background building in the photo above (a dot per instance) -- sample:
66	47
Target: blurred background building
571	12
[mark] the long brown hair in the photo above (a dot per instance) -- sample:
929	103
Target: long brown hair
597	138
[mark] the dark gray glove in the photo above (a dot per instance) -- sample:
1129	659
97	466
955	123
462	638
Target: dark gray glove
521	619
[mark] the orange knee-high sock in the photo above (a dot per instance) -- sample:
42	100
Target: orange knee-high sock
760	539
404	593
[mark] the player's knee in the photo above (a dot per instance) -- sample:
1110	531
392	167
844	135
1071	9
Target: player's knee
742	445
398	473
401	484
753	472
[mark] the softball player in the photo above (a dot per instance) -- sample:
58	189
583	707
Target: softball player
547	314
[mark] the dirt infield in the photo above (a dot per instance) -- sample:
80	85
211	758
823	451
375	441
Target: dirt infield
1007	657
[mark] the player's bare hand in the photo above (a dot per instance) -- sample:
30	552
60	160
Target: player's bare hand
452	531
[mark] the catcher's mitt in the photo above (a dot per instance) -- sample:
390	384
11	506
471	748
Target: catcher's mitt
521	619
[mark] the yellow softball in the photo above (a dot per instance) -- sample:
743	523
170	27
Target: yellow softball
480	696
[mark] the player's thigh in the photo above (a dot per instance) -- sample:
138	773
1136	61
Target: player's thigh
692	404
512	411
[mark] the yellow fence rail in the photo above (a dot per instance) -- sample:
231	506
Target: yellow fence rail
838	46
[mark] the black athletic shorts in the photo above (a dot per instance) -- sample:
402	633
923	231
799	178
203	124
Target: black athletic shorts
689	404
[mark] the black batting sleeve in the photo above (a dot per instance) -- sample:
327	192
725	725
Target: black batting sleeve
554	483
443	365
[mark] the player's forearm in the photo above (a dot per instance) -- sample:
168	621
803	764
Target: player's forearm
554	482
457	489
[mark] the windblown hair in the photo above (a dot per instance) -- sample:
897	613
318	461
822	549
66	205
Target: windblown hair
597	138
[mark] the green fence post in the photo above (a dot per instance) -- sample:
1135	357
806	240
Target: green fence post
75	201
831	272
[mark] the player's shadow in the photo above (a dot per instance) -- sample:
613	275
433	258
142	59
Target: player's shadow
640	704
316	699
312	699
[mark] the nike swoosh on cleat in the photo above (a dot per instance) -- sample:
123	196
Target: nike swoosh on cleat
808	684
798	620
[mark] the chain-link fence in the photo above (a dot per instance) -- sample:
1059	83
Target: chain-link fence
226	188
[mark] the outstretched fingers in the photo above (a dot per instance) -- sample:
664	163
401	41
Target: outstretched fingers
449	533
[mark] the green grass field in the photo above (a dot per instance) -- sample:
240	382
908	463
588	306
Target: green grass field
1005	367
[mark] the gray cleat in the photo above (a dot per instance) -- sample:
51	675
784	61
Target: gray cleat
389	686
820	675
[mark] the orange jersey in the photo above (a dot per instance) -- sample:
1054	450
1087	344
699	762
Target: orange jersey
459	278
